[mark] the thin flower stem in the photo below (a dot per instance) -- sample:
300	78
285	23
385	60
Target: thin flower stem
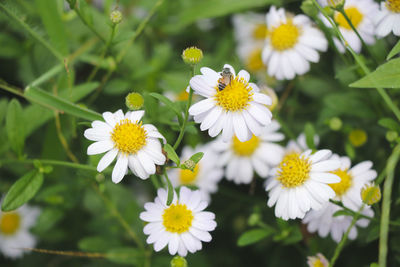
78	12
62	139
185	120
340	246
111	207
359	61
387	191
68	253
50	162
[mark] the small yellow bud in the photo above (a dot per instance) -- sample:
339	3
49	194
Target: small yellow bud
192	55
178	261
370	194
134	101
358	137
335	124
116	17
271	93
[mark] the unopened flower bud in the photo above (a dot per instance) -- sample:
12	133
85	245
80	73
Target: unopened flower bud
358	137
391	136
116	17
336	4
178	261
192	55
254	219
134	101
335	124
189	164
370	194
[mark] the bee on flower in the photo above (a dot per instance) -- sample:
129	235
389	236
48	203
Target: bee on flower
135	145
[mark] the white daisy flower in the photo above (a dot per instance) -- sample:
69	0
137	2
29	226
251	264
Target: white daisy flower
123	136
250	32
388	19
182	225
300	145
300	183
361	14
292	43
317	261
258	154
14	231
348	191
206	174
239	109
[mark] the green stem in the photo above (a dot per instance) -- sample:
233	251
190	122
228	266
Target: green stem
359	61
185	120
387	191
340	246
36	36
47	75
50	162
89	25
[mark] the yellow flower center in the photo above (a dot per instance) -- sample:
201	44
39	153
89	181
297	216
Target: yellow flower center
354	15
9	223
188	176
318	263
192	55
260	32
344	184
294	170
284	36
393	5
177	218
129	137
183	96
246	148
358	137
235	96
371	194
254	61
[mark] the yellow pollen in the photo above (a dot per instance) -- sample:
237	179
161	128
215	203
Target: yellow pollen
294	170
9	223
246	148
393	5
260	32
344	184
129	137
358	137
354	15
285	36
177	218
188	176
254	61
235	96
318	263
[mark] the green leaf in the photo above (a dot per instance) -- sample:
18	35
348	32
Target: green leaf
58	103
253	236
310	133
197	157
172	154
385	76
96	244
51	18
22	190
343	213
350	150
130	256
85	11
170	188
3	109
169	104
15	126
394	51
390	124
47	219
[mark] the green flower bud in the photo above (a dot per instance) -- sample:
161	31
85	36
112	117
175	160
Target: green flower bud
358	137
335	124
116	17
189	164
192	55
391	136
254	219
178	261
371	194
134	101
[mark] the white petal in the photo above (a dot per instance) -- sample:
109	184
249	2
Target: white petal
325	166
107	159
120	168
136	116
244	74
325	177
100	147
202	106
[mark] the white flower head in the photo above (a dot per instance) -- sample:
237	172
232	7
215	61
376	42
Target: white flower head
361	14
182	225
300	183
388	19
317	261
14	230
300	145
238	109
135	145
205	175
291	45
258	154
348	191
250	32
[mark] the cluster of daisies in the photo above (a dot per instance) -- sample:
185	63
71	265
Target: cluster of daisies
283	44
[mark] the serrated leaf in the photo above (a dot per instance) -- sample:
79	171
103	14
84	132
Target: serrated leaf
390	124
172	154
58	103
169	104
310	133
15	126
253	236
385	76
395	50
130	256
24	189
197	157
342	213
